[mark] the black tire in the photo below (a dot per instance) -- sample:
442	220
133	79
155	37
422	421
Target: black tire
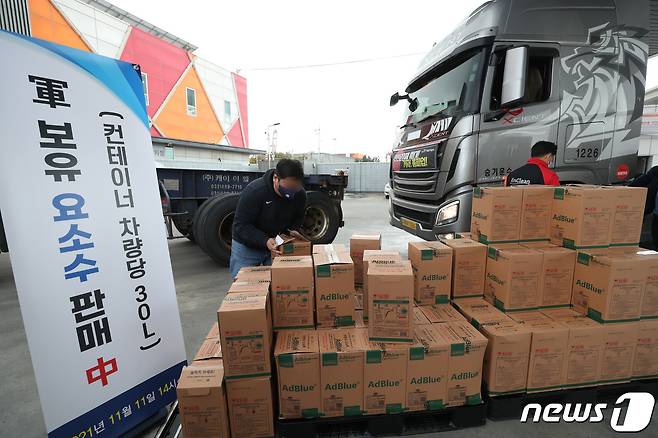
214	229
321	221
196	220
183	226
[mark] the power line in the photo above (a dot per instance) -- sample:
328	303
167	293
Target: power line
329	64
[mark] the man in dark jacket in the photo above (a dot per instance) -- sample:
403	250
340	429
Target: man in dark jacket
273	204
536	170
650	181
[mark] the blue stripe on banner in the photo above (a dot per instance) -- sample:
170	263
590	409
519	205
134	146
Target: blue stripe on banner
110	412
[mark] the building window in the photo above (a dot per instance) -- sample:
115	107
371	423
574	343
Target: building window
145	86
191	101
227	108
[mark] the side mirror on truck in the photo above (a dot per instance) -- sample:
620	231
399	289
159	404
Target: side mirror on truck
514	75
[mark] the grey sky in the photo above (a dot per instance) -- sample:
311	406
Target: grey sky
349	102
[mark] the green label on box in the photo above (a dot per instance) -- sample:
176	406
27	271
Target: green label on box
310	413
394	408
558	193
584	258
457	349
434	405
441	299
416	353
329	359
288	248
286	360
373	356
474	399
323	271
492	253
477	192
426	254
569	243
342	321
351	411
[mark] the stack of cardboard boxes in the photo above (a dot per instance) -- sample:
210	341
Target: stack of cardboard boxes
549	290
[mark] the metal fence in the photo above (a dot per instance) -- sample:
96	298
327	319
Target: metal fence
362	177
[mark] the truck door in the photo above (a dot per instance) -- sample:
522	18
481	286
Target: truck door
507	134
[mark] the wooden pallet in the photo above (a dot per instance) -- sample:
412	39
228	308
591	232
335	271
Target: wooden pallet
406	423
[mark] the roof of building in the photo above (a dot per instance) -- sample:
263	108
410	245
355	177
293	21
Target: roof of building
137	22
195	144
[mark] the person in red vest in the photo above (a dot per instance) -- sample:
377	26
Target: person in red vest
536	170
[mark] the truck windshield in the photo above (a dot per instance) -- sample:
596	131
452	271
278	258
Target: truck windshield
453	89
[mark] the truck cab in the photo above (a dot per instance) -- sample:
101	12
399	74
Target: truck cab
515	72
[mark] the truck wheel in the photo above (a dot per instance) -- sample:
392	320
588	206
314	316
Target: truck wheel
196	220
184	226
321	220
214	230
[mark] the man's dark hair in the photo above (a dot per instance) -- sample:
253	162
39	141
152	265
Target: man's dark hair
542	148
287	168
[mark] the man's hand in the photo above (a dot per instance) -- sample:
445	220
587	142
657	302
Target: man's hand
297	235
271	245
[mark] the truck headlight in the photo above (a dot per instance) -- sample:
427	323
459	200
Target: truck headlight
448	213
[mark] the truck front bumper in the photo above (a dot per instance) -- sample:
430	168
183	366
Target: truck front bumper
429	231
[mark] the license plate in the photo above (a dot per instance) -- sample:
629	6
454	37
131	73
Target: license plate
408	223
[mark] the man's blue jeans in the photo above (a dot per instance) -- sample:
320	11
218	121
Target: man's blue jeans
242	255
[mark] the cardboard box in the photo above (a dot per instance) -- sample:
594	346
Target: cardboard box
329	248
609	287
478	311
379	257
293	296
210	353
618	352
245	328
385	376
342	353
467	351
254	274
513	277
358	299
202	402
438	313
427	370
390	299
334	288
496	214
469	261
582	217
358	244
536	213
556	281
507	356
548	351
419	317
250	407
645	365
432	265
584	349
292	246
297	355
249	286
650	296
628	214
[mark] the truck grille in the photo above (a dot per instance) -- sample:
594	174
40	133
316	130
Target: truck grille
423	218
420	182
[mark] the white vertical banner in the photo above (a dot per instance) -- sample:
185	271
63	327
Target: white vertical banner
81	210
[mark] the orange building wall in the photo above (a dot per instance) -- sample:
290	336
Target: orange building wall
174	122
48	24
